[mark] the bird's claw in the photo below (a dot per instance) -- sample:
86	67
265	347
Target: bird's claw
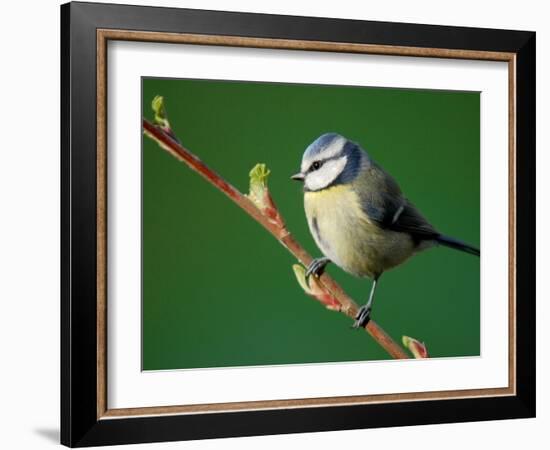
317	267
362	317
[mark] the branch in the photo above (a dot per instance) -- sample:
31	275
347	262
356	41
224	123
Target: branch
260	206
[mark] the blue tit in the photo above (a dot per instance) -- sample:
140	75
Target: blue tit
358	216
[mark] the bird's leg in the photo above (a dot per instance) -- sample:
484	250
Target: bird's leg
317	267
363	315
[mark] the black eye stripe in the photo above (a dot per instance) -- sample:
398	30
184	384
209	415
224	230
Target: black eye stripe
316	165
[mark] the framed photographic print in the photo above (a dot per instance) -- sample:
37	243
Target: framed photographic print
276	224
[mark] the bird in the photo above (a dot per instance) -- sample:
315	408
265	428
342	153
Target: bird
359	217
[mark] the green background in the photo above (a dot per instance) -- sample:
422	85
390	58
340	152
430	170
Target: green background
218	290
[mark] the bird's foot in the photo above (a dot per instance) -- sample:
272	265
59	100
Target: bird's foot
317	267
362	317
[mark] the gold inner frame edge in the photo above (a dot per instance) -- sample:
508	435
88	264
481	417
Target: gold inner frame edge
103	36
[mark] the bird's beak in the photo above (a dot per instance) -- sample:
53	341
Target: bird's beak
298	177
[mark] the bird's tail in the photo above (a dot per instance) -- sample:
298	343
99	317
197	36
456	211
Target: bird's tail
457	245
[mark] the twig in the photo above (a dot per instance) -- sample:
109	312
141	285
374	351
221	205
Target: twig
271	220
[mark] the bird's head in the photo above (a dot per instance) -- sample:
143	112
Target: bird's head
329	160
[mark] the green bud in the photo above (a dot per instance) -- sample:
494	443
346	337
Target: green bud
161	118
417	348
258	185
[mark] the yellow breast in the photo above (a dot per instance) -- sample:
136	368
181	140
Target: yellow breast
345	234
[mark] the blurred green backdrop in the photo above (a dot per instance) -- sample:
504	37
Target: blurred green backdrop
219	291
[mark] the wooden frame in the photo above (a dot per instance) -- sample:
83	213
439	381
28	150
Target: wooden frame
86	418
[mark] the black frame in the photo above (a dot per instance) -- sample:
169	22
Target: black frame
79	423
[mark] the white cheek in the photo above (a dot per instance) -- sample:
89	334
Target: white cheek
326	174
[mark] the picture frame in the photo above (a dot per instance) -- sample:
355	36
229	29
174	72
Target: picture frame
86	29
